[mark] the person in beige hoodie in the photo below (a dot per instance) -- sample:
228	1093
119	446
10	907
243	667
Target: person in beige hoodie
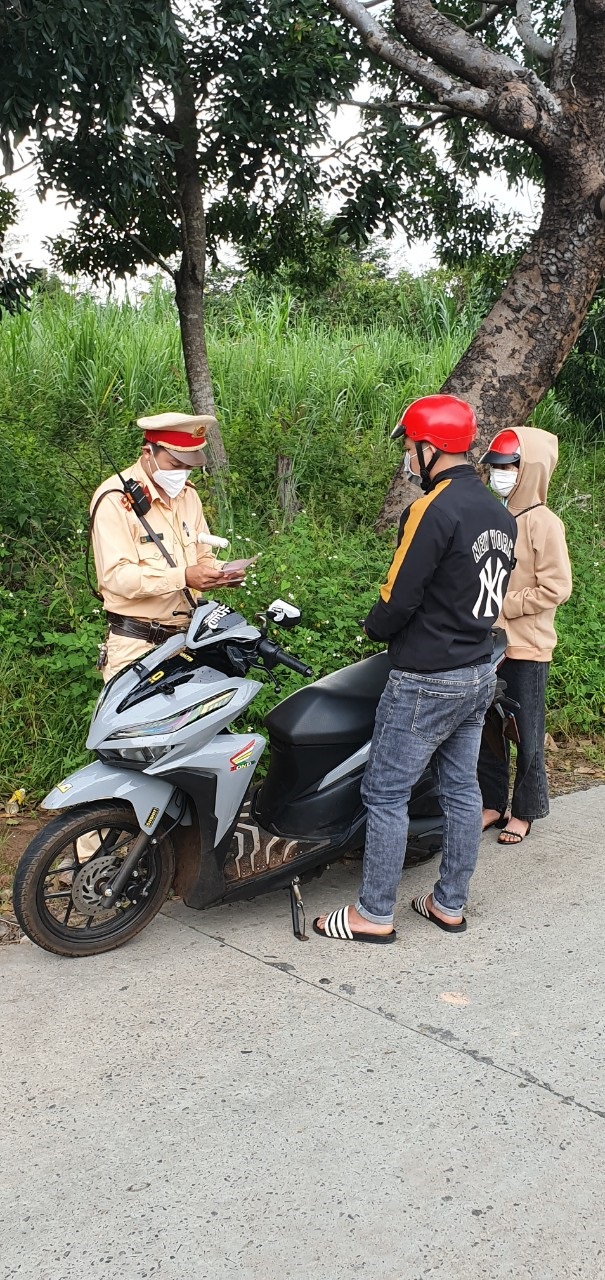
521	464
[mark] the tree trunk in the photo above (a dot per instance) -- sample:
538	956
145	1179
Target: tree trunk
191	271
286	488
523	342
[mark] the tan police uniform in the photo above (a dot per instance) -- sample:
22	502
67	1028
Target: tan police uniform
135	580
137	584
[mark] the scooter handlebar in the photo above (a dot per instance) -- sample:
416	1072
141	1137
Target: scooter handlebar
274	656
295	664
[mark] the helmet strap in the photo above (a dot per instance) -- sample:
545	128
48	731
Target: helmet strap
426	468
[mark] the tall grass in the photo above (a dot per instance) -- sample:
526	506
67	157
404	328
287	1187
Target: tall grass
75	375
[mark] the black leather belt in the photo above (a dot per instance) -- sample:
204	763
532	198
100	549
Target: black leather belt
141	629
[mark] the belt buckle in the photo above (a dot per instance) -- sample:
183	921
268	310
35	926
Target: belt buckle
155	633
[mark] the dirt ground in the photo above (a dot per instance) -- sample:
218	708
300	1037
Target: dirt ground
571	766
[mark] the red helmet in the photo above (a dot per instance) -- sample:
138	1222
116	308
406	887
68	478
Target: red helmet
445	421
504	449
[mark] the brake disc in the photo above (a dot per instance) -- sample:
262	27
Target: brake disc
90	883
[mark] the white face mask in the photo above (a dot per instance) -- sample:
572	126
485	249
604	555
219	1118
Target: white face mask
172	482
409	474
502	482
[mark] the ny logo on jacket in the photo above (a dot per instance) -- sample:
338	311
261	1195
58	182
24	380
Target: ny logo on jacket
449	575
494	574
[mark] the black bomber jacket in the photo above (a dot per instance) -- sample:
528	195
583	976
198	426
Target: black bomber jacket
448	578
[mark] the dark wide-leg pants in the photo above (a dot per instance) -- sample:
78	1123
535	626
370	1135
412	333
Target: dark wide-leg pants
526	683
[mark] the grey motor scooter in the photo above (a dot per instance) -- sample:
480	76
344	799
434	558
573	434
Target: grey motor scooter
168	802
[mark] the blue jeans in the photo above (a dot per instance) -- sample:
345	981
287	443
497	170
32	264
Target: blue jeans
422	718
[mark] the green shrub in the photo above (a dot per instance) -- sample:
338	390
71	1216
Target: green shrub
290	381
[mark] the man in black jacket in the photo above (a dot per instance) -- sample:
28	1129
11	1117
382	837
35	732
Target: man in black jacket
442	596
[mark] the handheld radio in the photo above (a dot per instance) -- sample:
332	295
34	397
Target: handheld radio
133	491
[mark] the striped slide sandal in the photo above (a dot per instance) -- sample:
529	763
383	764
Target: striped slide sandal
420	906
336	925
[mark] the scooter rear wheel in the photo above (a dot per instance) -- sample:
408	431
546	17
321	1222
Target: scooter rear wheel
58	893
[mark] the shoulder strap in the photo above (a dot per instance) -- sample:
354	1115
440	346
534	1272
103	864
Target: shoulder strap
154	538
526	509
91	521
166	554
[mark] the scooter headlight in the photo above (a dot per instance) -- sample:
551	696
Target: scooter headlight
171	723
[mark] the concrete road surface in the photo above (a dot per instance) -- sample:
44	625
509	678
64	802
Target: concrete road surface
217	1100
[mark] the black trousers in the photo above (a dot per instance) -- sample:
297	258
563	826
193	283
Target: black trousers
526	683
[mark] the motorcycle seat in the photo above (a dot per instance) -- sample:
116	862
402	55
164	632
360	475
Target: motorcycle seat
340	707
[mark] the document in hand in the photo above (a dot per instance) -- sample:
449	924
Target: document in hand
235	568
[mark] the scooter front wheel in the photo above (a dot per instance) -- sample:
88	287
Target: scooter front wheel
58	894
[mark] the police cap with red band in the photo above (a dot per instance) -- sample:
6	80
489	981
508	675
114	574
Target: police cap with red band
182	434
504	449
444	421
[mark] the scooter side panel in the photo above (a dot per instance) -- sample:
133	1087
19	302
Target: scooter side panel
232	758
325	815
149	797
358	760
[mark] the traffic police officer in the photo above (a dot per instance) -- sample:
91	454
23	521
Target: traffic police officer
143	594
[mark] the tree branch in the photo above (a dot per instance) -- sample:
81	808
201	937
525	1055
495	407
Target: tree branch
160	262
165	128
450	45
105	208
514	100
565	48
342	146
491	11
13	172
417	129
406	104
525	29
409	104
390	104
441	114
449	92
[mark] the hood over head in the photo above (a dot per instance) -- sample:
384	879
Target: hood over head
539	453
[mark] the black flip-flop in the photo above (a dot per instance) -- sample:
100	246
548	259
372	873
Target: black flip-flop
497	822
336	925
419	905
516	837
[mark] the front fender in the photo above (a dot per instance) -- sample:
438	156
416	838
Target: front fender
149	797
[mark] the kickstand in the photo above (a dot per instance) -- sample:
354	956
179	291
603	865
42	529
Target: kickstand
298	911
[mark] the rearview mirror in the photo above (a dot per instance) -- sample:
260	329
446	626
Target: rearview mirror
283	614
